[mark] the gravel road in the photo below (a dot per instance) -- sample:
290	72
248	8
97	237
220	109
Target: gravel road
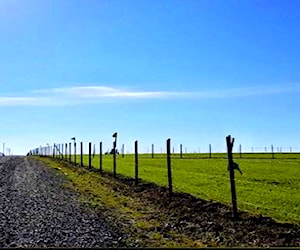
36	211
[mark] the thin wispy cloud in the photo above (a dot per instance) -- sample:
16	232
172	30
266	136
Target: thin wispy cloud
103	92
19	101
94	94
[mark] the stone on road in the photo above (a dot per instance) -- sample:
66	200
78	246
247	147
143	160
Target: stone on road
37	211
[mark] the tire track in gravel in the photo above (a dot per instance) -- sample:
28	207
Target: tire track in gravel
36	211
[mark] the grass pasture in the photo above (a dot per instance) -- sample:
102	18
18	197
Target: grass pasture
270	187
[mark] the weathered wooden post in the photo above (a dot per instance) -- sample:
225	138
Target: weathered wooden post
169	166
272	149
209	150
75	153
81	154
66	151
70	152
53	153
123	149
100	156
180	151
73	139
90	155
240	150
114	151
136	162
231	174
152	150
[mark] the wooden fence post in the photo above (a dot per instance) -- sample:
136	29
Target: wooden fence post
123	148
81	154
169	166
75	153
115	135
272	149
58	156
136	162
62	151
152	150
90	155
115	161
209	150
66	150
100	156
231	173
180	151
53	153
240	150
70	152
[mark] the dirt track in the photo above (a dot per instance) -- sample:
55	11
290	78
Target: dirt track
36	211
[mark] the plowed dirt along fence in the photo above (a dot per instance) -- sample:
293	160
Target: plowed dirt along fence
37	211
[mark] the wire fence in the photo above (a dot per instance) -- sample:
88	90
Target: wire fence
272	171
180	151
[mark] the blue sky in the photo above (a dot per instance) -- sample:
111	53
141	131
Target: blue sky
190	70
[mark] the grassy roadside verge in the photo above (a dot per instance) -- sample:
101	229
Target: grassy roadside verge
151	219
131	213
267	186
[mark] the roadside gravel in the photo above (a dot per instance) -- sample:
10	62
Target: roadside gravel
36	211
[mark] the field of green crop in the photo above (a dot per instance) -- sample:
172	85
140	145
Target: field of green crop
270	187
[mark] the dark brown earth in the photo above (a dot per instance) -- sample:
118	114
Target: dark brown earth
209	222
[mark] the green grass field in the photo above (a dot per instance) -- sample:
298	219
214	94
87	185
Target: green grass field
270	187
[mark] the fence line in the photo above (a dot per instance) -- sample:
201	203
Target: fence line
64	152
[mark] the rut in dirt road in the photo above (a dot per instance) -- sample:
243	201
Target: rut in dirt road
36	211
